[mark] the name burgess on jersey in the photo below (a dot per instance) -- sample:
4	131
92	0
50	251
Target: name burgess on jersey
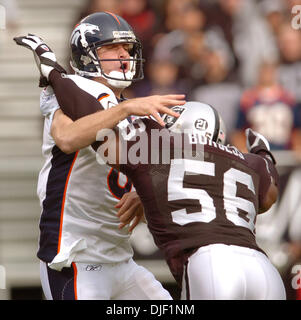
197	138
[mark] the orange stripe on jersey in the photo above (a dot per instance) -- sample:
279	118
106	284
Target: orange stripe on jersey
105	96
113	15
121	187
108	184
63	202
75	280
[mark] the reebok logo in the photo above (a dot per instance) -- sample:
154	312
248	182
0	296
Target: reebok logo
91	267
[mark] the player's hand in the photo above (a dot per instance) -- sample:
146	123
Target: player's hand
256	142
44	56
130	210
154	106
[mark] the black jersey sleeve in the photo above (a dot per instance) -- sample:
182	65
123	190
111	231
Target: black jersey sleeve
140	132
74	102
266	170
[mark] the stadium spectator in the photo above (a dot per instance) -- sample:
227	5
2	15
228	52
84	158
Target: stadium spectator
248	36
93	6
219	86
269	109
289	73
142	18
182	18
184	43
162	78
275	12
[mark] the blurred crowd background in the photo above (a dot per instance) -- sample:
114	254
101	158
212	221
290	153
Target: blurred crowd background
241	56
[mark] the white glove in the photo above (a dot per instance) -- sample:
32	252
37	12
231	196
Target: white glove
44	56
256	142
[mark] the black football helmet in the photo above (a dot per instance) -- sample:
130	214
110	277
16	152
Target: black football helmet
97	30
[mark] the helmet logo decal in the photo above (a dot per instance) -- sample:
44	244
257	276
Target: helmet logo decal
81	30
201	124
170	120
118	35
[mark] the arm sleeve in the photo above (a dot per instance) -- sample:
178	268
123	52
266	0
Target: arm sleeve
266	171
48	102
74	102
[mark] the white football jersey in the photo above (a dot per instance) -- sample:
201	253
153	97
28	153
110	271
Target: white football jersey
77	195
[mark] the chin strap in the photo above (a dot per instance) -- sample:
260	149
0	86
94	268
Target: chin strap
116	83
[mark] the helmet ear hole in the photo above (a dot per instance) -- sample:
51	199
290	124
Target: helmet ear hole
221	139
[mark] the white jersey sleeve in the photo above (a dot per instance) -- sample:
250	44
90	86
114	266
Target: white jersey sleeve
48	103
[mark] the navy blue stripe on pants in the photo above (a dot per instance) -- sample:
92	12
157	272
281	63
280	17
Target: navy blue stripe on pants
61	283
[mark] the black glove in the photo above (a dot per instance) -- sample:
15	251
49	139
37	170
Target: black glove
44	56
257	143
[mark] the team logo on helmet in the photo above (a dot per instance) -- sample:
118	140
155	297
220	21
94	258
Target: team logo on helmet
201	124
81	30
170	120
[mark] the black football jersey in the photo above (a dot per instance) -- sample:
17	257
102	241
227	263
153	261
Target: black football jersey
194	192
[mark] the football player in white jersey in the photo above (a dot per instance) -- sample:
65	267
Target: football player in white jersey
83	253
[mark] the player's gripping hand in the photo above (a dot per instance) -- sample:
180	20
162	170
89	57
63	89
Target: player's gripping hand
44	56
130	210
256	143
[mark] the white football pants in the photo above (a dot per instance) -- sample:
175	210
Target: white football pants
116	281
226	272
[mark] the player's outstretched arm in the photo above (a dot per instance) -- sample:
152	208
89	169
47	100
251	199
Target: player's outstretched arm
77	103
270	198
82	108
44	56
154	106
258	144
